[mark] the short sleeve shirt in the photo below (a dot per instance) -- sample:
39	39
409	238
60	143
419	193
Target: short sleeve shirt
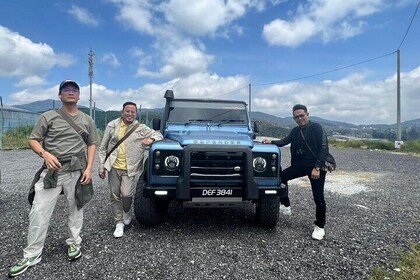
59	138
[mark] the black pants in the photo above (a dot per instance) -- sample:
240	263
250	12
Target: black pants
317	185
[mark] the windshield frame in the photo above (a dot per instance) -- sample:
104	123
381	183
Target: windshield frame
218	112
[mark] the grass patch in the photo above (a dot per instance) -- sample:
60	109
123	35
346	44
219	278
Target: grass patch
407	268
412	146
17	138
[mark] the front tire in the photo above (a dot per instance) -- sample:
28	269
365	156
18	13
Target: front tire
149	211
268	211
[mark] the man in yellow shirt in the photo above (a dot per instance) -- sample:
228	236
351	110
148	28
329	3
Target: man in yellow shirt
125	162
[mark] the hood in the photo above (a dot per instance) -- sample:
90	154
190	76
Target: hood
210	138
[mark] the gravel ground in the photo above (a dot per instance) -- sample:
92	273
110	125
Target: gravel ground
373	205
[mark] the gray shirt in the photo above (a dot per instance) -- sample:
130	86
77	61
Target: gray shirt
59	138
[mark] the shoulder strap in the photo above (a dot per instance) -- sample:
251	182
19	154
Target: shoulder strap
79	131
121	140
304	139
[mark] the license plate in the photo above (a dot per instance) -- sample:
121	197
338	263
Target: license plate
216	192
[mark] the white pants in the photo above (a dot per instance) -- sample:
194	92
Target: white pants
43	207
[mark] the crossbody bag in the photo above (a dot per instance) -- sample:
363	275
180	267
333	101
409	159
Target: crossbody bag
329	164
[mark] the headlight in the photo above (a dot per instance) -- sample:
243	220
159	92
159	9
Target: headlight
171	163
259	164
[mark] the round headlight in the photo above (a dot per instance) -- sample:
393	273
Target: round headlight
171	163
259	164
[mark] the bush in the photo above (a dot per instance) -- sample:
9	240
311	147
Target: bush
411	147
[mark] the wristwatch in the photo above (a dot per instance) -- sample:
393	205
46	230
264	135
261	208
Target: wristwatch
41	153
317	168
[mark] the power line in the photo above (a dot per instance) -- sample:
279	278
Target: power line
232	91
329	71
312	75
409	26
336	69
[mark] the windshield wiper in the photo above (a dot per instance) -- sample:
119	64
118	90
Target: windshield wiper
230	121
198	121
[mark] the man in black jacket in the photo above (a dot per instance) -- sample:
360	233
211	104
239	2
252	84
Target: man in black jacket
309	148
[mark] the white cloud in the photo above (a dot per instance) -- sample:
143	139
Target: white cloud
137	15
173	25
30	81
183	62
352	99
111	59
329	19
84	16
291	34
23	59
34	94
203	17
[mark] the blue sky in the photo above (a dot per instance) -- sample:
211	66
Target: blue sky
214	49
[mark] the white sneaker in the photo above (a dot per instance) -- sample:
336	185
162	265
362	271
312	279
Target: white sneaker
119	230
127	218
287	211
318	233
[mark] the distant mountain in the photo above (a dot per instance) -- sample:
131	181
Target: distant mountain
45	105
287	122
260	116
290	122
411	123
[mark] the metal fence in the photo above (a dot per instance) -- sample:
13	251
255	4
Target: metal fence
12	117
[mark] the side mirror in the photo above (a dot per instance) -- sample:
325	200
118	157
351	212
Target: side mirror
255	128
156	124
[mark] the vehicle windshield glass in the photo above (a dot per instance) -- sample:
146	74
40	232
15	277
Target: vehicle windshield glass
208	112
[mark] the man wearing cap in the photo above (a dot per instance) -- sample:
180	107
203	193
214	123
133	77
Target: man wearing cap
68	157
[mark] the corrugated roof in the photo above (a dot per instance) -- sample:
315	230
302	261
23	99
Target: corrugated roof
15	109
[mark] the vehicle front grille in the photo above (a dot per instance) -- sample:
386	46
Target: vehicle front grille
214	167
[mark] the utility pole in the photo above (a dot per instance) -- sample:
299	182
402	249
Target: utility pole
1	123
398	143
91	57
139	114
249	94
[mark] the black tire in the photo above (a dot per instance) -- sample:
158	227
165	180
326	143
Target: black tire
268	211
149	211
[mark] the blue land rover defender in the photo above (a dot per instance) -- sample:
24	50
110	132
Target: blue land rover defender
208	158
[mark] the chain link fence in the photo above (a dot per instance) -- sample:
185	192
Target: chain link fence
12	118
